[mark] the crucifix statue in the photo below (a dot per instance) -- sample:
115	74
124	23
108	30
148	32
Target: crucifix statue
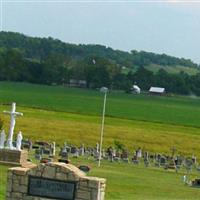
13	115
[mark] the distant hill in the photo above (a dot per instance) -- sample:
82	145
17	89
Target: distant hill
39	49
52	62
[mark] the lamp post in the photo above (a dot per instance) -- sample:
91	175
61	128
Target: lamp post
104	90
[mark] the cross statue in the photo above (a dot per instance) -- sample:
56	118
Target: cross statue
13	115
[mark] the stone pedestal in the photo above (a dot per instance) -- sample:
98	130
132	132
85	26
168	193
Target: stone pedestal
13	157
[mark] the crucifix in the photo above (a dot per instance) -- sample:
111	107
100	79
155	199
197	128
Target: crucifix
13	115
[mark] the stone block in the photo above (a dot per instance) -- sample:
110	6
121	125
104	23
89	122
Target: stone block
83	194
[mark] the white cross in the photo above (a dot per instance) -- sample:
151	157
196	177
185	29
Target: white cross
13	115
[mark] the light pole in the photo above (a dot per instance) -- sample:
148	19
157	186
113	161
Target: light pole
104	90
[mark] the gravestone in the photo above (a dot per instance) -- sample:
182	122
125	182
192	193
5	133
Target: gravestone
53	181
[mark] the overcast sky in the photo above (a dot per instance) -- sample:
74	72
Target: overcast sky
170	27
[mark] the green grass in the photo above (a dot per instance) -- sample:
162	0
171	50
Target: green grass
127	181
78	128
173	69
73	115
169	110
3	179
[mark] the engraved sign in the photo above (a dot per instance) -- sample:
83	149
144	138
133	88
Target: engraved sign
51	188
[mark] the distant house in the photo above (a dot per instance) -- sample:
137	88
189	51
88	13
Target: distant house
157	90
77	83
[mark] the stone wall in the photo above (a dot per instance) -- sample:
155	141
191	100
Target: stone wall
87	188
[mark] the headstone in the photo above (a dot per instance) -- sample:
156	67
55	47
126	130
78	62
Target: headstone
75	152
188	165
84	168
125	156
82	150
2	139
139	153
110	154
117	156
45	160
135	159
65	147
38	156
53	181
146	159
162	161
97	148
66	161
196	182
54	149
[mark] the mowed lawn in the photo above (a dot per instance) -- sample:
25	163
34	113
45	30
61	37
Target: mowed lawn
130	182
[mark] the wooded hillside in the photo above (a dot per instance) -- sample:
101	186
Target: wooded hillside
50	61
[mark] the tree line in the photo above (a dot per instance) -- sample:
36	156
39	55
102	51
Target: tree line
97	71
41	48
49	61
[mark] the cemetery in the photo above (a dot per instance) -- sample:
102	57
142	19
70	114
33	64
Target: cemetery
99	100
51	180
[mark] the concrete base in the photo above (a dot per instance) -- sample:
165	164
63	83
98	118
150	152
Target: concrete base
13	157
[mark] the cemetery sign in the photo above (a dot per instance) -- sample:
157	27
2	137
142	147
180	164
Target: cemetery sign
43	187
53	181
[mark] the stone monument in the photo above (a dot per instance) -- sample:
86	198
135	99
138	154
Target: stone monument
2	139
10	155
13	115
53	181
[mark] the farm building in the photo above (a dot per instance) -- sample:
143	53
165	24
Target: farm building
77	83
157	90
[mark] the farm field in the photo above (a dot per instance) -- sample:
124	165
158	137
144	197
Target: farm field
155	124
73	115
169	110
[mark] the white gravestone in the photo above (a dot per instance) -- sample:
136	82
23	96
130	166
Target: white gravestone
64	148
13	115
97	148
54	149
2	139
19	141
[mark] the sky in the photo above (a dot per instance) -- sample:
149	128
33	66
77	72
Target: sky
170	27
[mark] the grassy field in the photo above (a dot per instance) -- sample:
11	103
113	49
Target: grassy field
169	110
73	115
173	69
77	129
154	123
128	181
